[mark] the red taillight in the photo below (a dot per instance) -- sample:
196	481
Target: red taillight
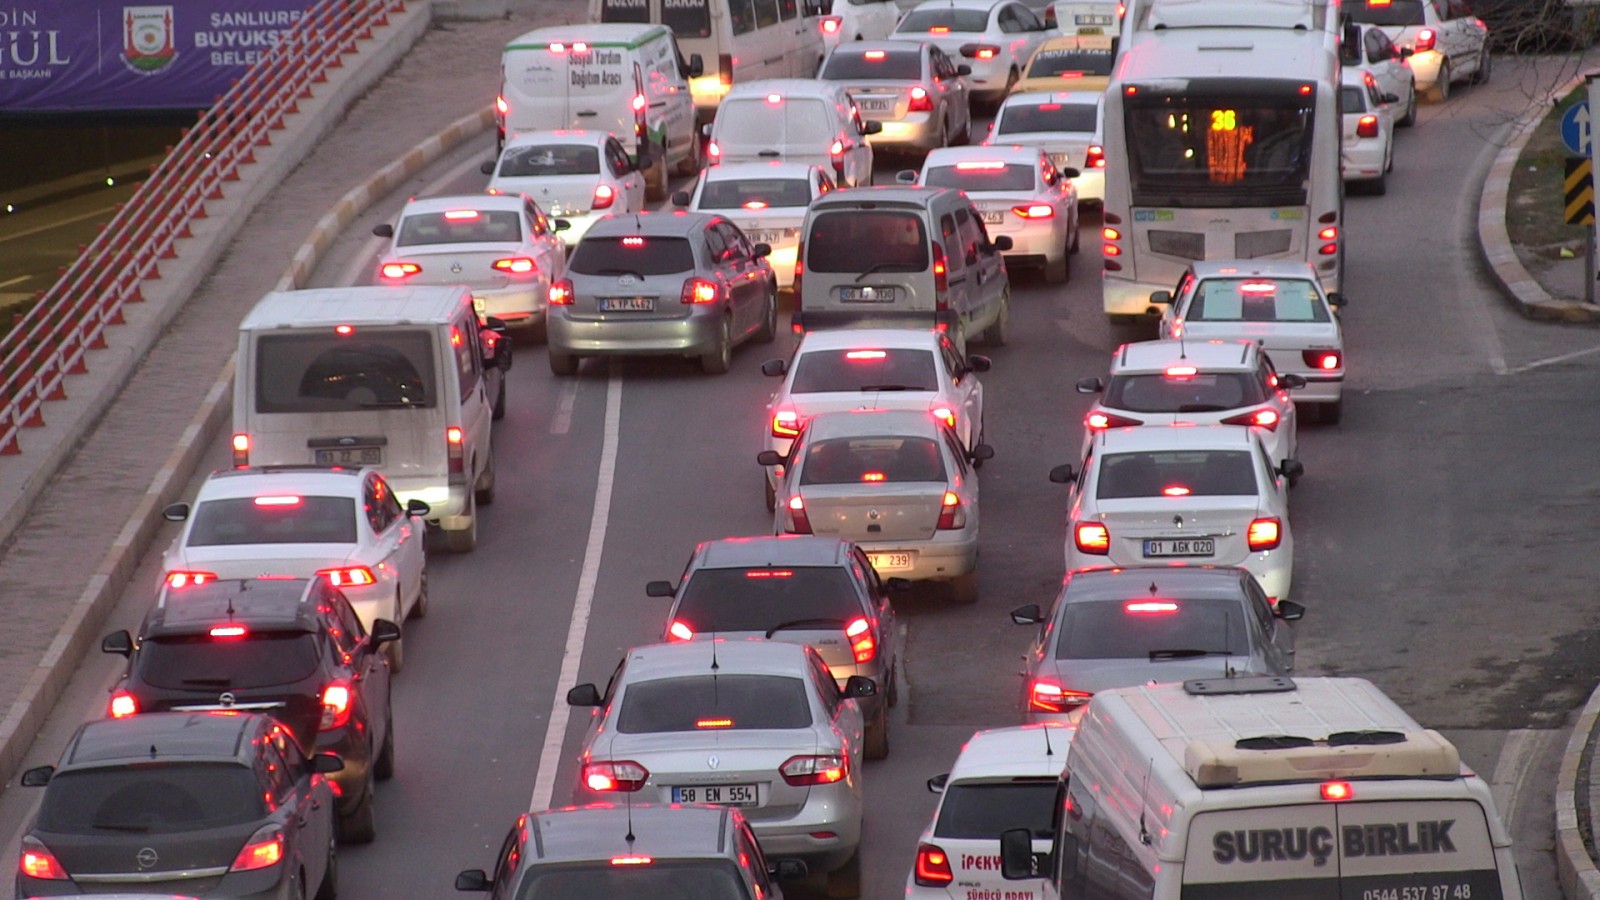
862	643
785	424
1092	537
501	106
455	453
1034	211
265	848
632	860
516	265
799	522
1264	534
241	450
1100	421
561	292
336	699
604	196
349	576
713	151
623	775
836	151
1146	607
1095	158
921	100
699	290
639	103
38	862
678	631
1425	40
807	770
831	24
182	578
1267	418
944	414
1047	696
1111	234
123	705
395	272
985	51
1322	360
941	279
1337	790
1331	233
1367	126
794	287
952	514
228	631
933	867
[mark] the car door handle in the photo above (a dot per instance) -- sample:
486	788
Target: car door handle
958	280
775	59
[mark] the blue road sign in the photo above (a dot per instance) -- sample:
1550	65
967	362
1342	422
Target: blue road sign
1575	128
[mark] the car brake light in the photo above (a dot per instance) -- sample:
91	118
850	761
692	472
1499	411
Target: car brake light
1425	40
123	705
454	451
1150	606
944	414
1095	158
799	522
714	152
933	866
1337	790
1035	211
349	576
639	103
181	579
1367	126
862	643
1092	537
1047	696
335	705
516	265
713	723
1175	490
982	51
38	862
228	631
265	848
561	292
631	860
836	151
678	631
282	500
1324	360
939	29
398	271
1182	371
800	771
699	290
952	514
830	25
1100	421
1266	418
785	424
921	100
241	450
604	196
1264	534
941	280
623	775
866	354
501	106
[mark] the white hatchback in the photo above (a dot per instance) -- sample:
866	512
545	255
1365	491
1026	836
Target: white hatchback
1390	67
766	200
858	20
1068	126
1018	193
574	175
995	37
1366	152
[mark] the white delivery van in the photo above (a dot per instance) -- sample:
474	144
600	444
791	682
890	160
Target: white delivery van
392	377
1263	788
629	80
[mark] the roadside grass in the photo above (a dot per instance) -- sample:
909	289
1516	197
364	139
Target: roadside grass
1535	218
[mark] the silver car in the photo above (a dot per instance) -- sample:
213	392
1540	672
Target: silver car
897	482
758	725
662	284
1122	627
913	88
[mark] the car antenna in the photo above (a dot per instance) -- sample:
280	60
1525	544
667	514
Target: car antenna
628	801
1048	750
1144	833
152	751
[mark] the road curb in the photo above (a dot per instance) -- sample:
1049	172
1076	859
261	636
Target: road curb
1580	879
1494	241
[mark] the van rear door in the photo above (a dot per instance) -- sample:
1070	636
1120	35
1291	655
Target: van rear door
559	85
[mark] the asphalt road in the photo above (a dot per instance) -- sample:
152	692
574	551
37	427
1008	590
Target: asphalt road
1443	533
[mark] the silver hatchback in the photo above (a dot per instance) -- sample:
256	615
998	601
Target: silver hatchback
662	284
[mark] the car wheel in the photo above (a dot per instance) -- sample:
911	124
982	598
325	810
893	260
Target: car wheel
978	463
563	364
769	321
655	177
1441	88
358	826
396	650
965	588
1379	186
1411	107
419	610
845	882
1485	67
384	767
877	734
329	889
483	491
691	164
720	358
944	132
996	334
500	400
464	540
300	886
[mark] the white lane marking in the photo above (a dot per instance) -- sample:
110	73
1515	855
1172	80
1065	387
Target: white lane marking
556	732
10	281
58	223
1516	755
1538	363
562	423
364	264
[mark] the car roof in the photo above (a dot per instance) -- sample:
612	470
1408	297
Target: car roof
958	4
873	423
891	46
558	136
1020	750
1134	439
774	169
733	657
445	203
594	33
358	305
788	87
678	223
1026	156
1078	42
601	830
896	195
315	480
277	604
1265	268
877	338
1102	584
1211	355
772	550
162	735
1070	98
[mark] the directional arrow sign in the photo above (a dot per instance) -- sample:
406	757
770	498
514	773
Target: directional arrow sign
1575	128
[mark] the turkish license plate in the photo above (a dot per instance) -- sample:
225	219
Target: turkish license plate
884	562
868	294
993	218
1091	19
1184	547
764	237
875	105
1061	159
349	456
719	794
627	304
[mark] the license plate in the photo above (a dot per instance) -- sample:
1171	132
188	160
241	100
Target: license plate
627	304
1061	159
1186	547
888	561
764	237
1091	19
1084	29
349	456
720	794
875	105
993	218
867	294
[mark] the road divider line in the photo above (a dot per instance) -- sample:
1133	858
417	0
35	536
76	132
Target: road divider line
53	224
556	731
1552	361
562	423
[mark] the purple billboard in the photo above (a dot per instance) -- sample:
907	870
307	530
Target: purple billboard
92	55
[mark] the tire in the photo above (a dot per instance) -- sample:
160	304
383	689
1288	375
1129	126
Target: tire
383	768
1485	67
329	889
483	493
894	686
419	610
358	827
500	400
563	364
877	734
768	332
691	164
1411	108
1330	413
845	882
720	359
995	335
396	650
466	539
655	178
965	588
1440	91
1077	234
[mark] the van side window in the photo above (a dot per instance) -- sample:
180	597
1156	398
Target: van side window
742	16
464	343
616	158
716	246
536	220
377	512
788	9
972	236
766	13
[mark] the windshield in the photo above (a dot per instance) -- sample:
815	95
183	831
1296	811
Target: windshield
658	879
283	520
642	256
979	811
1220	143
150	798
755	193
1177	473
759	598
1201	392
858	239
1394	12
872	460
323	371
939	21
193	662
715	702
1135	628
635	11
1257	300
460	226
981	176
866	65
829	371
1352	99
1070	63
550	159
1083	118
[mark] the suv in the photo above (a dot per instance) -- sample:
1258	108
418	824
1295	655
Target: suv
289	646
646	850
1444	41
193	803
804	590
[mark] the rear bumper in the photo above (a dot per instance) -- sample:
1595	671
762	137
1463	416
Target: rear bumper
689	336
816	319
795	838
264	884
1033	244
949	554
1363	162
446	502
917	131
518	304
1319	389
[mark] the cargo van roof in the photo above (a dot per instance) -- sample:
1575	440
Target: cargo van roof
369	305
606	34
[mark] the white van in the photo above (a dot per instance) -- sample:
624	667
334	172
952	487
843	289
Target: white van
629	80
742	39
1257	787
798	120
392	377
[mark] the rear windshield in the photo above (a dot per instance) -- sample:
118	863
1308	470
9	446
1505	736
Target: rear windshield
827	371
202	662
1257	300
283	520
1396	12
715	703
634	11
980	811
687	18
663	879
1204	392
756	193
981	176
757	599
1025	117
640	256
875	460
460	226
550	159
860	239
1177	473
150	798
944	20
1139	627
323	371
1079	61
865	65
1352	99
754	122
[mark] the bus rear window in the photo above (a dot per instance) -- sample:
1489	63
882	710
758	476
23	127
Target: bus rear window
634	11
687	18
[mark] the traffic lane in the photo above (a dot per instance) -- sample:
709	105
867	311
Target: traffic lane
36	243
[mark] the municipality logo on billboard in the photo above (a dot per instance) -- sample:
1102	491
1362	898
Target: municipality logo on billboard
147	38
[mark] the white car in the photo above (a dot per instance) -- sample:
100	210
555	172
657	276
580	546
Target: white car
502	246
766	200
1212	382
911	88
803	120
1446	43
995	37
1019	193
1377	55
301	522
1278	303
1084	16
1068	126
1005	777
877	368
574	175
1194	494
858	20
1366	152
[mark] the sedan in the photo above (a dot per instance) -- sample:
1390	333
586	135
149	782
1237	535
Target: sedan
1446	42
913	89
785	741
574	174
1068	126
858	20
880	368
994	37
896	482
1019	193
766	200
1120	627
660	284
502	246
1153	496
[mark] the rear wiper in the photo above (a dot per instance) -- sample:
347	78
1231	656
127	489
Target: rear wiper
121	826
208	682
1156	655
876	266
803	623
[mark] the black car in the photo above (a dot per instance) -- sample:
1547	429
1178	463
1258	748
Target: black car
291	647
200	803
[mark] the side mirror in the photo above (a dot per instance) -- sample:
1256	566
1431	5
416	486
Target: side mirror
560	225
327	763
1090	385
1289	611
38	777
980	363
175	512
1161	298
1027	614
859	686
936	783
681	198
118	642
963	69
1003	243
772	368
790	870
472	880
1291	469
1018	862
1291	380
898	585
496	325
487	168
1069	172
981	452
1336	300
1407	52
906	176
383	632
697	66
584	695
383	229
659	589
417	508
761	250
871	127
1062	474
769	458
